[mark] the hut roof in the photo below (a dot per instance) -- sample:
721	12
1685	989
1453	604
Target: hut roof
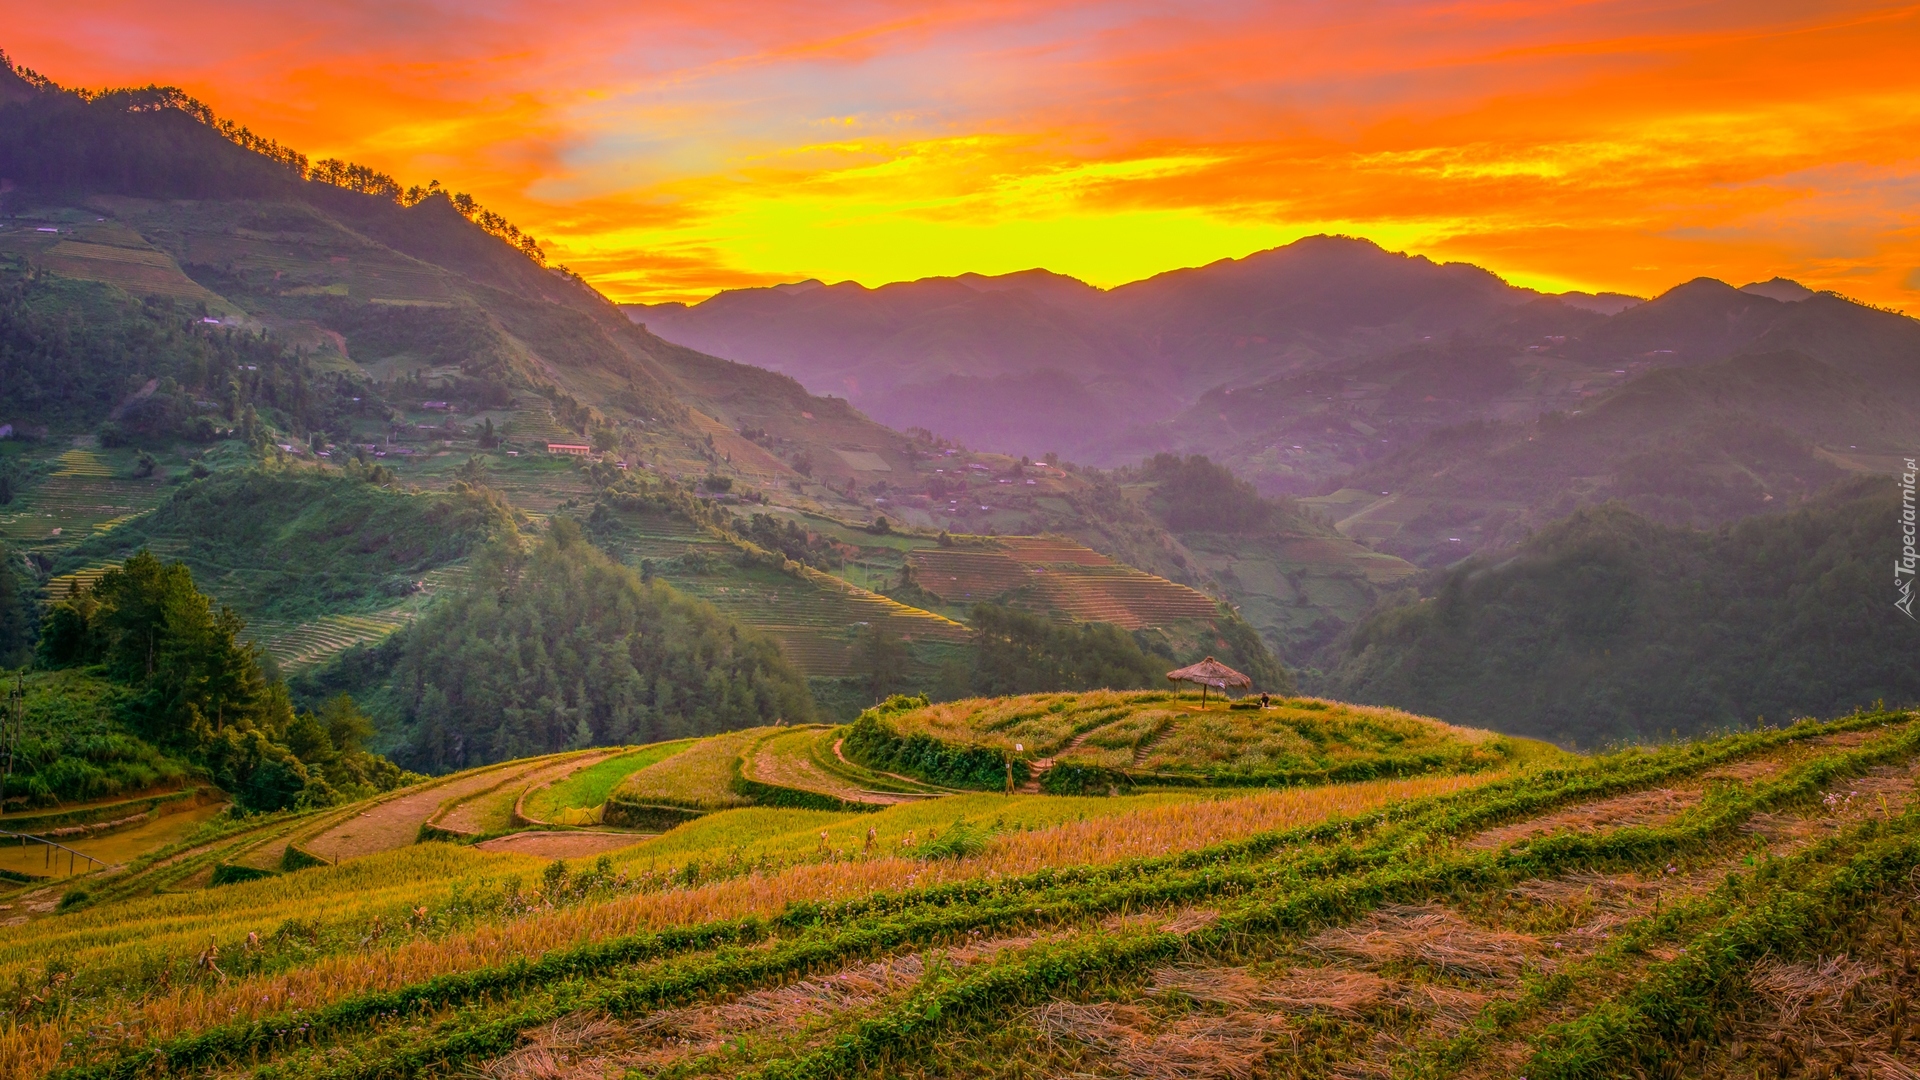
1210	672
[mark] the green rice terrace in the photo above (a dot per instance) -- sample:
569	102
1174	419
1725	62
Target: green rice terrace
1739	906
80	491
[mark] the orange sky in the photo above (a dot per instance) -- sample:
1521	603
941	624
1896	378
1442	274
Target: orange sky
672	148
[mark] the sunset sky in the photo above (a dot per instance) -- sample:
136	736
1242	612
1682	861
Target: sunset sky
669	149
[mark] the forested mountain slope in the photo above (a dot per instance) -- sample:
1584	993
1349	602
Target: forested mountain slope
1608	626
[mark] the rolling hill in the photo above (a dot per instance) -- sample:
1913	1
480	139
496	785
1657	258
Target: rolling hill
1430	411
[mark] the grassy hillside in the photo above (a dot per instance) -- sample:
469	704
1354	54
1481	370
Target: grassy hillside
75	747
363	319
1610	626
1588	918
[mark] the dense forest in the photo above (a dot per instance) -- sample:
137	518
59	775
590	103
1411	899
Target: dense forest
150	673
1608	626
1019	653
1200	495
555	646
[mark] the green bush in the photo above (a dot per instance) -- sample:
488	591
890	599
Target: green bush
962	840
873	742
231	874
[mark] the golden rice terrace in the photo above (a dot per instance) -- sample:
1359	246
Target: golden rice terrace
1741	906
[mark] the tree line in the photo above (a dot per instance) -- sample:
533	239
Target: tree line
154	137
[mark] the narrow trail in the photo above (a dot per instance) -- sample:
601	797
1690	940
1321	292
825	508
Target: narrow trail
1039	767
1146	745
905	796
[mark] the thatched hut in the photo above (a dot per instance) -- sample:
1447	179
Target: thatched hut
1209	673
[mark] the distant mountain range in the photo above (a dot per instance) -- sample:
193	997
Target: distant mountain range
1020	360
1420	404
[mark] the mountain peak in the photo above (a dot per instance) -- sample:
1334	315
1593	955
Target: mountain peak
1602	303
1785	290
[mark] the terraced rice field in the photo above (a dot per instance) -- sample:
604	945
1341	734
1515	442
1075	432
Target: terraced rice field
115	848
394	821
296	645
82	462
143	272
1063	577
79	580
107	252
580	797
1761	928
219	249
113	523
74	500
541	492
814	616
533	422
397	281
1128	598
663	536
301	644
699	778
